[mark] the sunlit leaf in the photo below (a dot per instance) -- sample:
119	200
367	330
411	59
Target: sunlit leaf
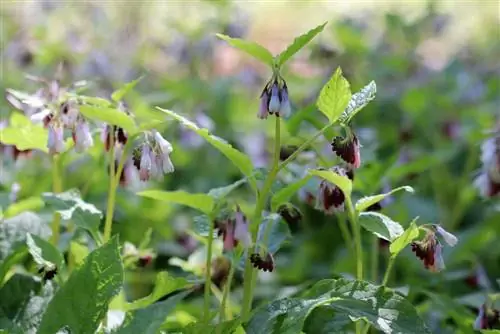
16	256
28	204
284	194
118	95
410	234
202	202
221	192
334	96
358	101
365	202
225	327
111	116
298	44
24	134
380	225
253	49
340	181
43	252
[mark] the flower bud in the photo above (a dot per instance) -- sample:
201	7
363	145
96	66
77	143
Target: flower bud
69	113
429	250
165	148
347	149
330	198
264	263
146	163
241	233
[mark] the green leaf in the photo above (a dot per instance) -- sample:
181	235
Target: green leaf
284	194
278	233
380	225
16	256
149	320
93	100
72	207
325	320
111	116
15	294
298	44
201	225
226	327
334	96
118	94
410	234
164	284
24	134
365	202
253	49
358	101
340	181
240	160
202	202
43	252
29	204
83	301
384	308
222	192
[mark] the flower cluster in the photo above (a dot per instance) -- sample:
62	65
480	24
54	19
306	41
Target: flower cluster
348	148
274	99
488	181
487	318
330	198
152	157
430	250
264	263
234	230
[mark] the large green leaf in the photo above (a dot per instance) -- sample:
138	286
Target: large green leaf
164	285
298	44
410	234
221	192
334	96
23	134
340	181
380	225
72	207
251	48
202	202
83	300
111	116
43	252
16	256
148	320
240	160
365	202
358	101
284	194
226	327
325	320
118	94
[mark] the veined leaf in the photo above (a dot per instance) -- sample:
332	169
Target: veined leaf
253	49
240	160
164	284
83	300
111	116
334	96
43	252
365	202
380	225
24	134
340	181
118	94
358	101
410	234
202	202
284	194
298	44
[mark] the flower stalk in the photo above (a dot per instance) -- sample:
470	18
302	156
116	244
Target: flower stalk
57	186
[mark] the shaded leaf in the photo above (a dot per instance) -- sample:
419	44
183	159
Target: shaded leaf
202	202
16	256
284	194
226	327
298	44
325	320
220	193
118	94
334	96
410	234
380	225
340	181
28	204
358	101
43	252
253	49
201	225
365	202
278	232
24	134
111	116
83	301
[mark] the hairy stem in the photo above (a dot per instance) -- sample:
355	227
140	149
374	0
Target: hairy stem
56	188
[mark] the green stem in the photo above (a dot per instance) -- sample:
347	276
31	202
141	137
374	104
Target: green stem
56	188
208	267
375	256
227	288
112	189
249	275
346	234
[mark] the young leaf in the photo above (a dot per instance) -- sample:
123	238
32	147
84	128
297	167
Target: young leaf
340	181
24	134
15	257
380	225
334	96
410	234
118	95
149	320
202	202
164	284
72	207
111	116
298	44
43	252
358	101
253	49
365	202
240	160
220	193
284	194
83	300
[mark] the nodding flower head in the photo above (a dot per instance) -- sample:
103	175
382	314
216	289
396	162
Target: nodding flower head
234	230
274	99
449	238
330	198
347	148
82	136
291	215
264	263
488	181
163	150
69	113
152	157
487	318
55	142
430	250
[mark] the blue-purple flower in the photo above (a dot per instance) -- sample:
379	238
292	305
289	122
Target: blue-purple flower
274	99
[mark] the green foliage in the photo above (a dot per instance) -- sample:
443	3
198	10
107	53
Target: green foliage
83	300
251	48
284	194
110	115
23	134
365	202
358	101
410	234
222	192
380	225
202	202
340	181
334	96
43	252
298	44
226	327
118	94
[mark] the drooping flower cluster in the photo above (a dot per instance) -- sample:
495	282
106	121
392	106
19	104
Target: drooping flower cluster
488	181
430	250
330	198
152	157
487	318
347	148
274	99
234	230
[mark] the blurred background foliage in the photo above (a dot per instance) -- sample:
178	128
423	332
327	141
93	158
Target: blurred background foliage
436	65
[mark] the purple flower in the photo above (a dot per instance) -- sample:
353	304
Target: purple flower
274	99
69	113
82	136
264	263
146	163
163	158
330	198
241	232
55	142
449	238
347	149
430	250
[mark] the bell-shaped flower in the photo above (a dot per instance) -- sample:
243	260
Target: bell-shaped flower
330	198
274	99
264	263
146	163
241	233
487	318
163	156
55	142
82	136
69	113
449	238
348	149
488	181
429	250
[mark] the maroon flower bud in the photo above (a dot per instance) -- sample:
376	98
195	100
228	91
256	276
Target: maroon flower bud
291	215
347	149
429	250
330	198
265	263
144	260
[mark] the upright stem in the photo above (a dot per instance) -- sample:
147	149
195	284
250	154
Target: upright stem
112	187
56	188
249	276
388	270
208	267
375	256
227	288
